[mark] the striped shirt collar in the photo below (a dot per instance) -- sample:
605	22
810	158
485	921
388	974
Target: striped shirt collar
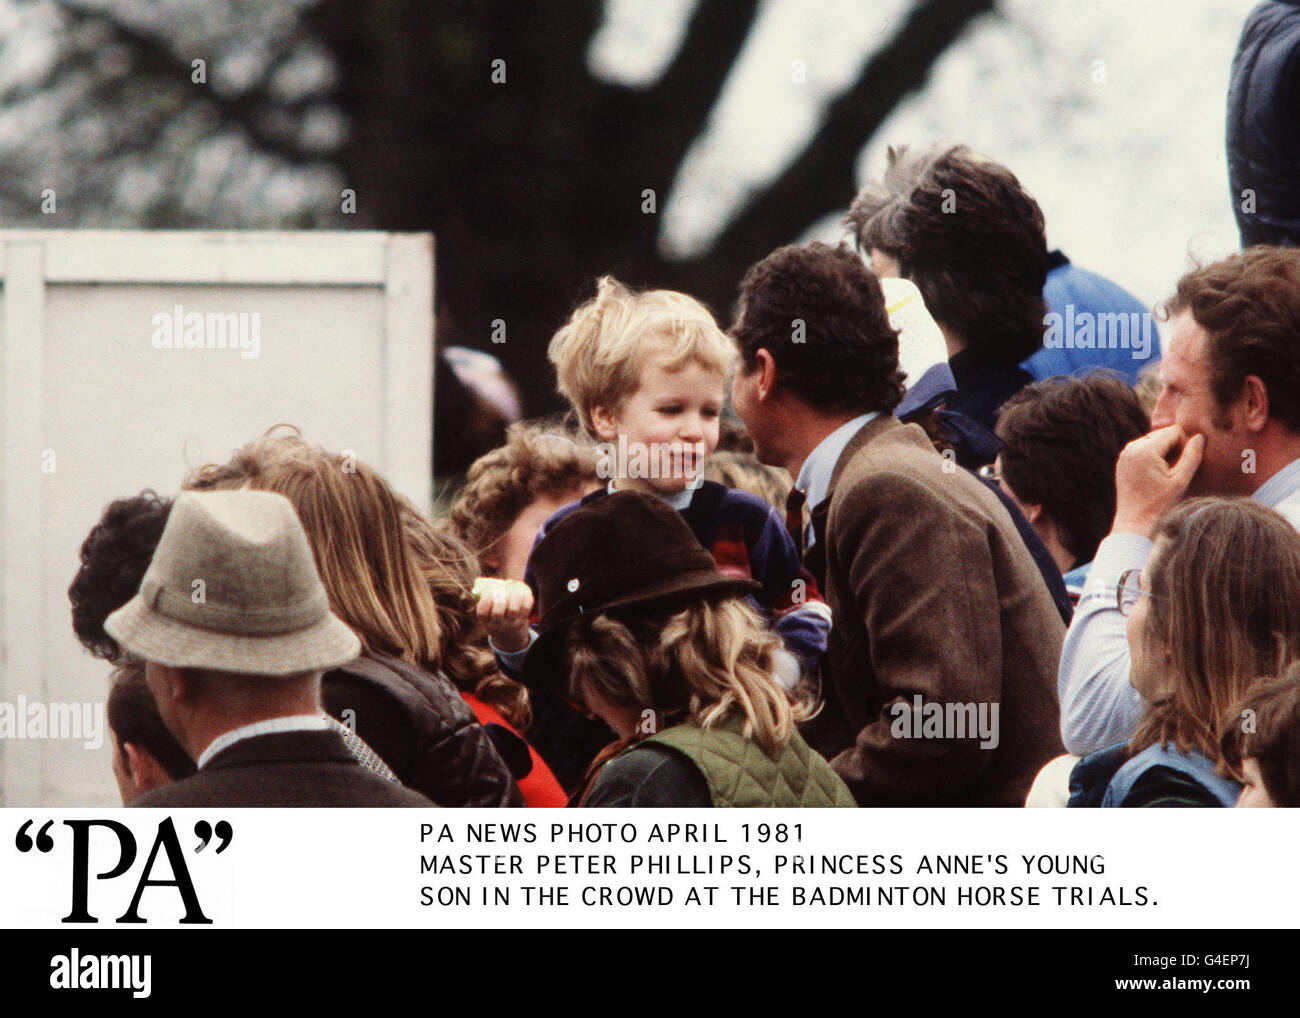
271	726
1282	485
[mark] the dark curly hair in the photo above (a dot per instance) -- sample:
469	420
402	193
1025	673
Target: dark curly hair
970	237
1249	304
821	314
114	559
1061	438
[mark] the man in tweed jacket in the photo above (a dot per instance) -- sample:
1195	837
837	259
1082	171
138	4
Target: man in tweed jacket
939	681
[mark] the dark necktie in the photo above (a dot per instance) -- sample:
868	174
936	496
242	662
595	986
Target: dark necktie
794	503
814	557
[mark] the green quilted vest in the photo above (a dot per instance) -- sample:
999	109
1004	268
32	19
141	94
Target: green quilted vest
740	773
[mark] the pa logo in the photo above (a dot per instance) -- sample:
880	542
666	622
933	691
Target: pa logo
165	842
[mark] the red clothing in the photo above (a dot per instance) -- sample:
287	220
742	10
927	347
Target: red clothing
539	788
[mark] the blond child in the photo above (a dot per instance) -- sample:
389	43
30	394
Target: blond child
646	374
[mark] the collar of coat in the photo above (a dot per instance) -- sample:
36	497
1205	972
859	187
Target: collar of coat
870	431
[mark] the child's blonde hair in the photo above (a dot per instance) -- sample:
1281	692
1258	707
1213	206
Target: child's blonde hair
600	352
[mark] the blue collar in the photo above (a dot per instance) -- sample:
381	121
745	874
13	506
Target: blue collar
814	478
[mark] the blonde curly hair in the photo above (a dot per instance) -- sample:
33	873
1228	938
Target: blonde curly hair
706	658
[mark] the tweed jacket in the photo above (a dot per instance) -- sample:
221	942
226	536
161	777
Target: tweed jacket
933	595
283	769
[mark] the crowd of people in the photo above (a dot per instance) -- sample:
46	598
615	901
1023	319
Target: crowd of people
898	536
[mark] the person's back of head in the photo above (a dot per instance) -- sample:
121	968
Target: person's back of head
145	754
1061	438
231	618
972	239
1223	584
1261	742
743	471
701	659
821	315
114	559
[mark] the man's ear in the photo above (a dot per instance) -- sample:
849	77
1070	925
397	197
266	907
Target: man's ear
602	419
1254	403
170	685
765	382
146	772
1033	513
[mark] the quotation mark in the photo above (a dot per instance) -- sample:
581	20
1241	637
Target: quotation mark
204	831
44	843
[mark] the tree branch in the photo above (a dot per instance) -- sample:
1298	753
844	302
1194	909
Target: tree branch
820	180
157	59
678	104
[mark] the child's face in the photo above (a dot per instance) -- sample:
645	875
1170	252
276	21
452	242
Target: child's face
670	424
1253	792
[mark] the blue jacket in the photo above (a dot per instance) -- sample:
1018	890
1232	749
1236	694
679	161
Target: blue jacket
1072	293
1106	778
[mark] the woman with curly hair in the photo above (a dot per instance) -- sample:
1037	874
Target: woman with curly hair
510	491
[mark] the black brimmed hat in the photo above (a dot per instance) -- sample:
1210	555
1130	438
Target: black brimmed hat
623	549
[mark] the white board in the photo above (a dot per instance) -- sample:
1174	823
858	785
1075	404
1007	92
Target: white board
95	409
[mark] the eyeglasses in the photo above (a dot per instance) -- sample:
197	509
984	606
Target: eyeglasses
1128	592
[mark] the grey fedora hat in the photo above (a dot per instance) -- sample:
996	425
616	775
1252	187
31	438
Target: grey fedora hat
233	587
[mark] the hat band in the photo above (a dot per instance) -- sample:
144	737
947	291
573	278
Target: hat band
233	621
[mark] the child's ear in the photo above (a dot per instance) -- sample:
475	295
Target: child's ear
602	419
